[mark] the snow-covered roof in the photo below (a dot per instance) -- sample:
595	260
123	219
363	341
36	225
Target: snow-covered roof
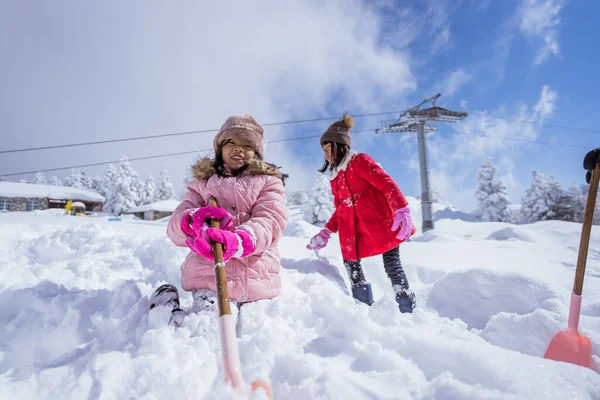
29	190
161	206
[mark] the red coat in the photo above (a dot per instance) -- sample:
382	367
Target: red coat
365	199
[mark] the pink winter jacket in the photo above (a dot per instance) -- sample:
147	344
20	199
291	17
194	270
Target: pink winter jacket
256	200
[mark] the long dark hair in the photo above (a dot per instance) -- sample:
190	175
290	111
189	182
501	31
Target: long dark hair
222	172
339	152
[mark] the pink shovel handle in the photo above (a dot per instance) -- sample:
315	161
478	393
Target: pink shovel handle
574	312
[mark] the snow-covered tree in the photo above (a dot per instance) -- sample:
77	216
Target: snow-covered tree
165	190
98	185
55	181
321	205
73	179
123	187
491	194
149	191
86	180
577	198
39	178
297	198
187	178
542	199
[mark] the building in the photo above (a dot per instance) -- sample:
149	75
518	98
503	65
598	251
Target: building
16	196
152	211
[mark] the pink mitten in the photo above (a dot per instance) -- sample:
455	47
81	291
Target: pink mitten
403	221
319	241
238	243
198	217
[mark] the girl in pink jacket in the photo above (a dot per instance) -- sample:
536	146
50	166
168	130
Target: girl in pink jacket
252	214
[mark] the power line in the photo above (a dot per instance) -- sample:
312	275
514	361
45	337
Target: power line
181	153
299	121
269	142
270	124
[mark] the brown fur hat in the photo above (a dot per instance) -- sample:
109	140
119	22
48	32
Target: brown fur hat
243	128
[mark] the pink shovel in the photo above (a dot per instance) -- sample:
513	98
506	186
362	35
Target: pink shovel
232	370
569	345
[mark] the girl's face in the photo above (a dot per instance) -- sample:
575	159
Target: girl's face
327	152
236	154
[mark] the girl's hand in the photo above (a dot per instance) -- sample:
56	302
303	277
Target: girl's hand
193	222
319	241
403	221
237	244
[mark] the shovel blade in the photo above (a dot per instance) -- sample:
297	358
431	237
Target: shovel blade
260	384
570	346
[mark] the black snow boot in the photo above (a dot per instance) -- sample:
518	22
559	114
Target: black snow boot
168	296
363	293
406	300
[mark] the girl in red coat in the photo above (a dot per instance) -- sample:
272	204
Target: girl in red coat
371	215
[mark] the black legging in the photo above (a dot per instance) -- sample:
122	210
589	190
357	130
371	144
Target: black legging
391	263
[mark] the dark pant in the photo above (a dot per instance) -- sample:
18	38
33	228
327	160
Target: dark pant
392	265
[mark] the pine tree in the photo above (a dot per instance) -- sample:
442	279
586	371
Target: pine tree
321	205
165	190
491	194
297	198
73	179
86	180
187	179
149	192
55	181
39	179
123	187
544	199
98	185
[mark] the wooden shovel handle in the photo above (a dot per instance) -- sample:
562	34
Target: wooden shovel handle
220	277
586	230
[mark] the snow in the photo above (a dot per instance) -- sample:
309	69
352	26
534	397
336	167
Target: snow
490	296
30	190
161	206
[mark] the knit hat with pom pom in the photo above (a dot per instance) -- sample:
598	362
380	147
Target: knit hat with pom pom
338	132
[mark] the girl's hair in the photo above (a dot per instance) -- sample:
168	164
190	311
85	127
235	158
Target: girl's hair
222	172
339	152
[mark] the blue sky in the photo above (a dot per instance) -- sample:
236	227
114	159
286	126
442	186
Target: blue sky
75	72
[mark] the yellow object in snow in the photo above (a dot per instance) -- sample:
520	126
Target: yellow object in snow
68	207
75	208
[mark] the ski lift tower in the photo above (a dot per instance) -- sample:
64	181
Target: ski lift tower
420	120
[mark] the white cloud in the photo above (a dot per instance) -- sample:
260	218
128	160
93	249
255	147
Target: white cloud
423	25
545	105
187	66
539	20
454	82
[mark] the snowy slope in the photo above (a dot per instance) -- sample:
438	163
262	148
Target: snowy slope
490	297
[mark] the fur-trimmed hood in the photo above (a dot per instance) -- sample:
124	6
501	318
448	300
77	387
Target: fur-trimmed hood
205	168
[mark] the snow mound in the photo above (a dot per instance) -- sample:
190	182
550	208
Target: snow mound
476	295
300	228
527	334
511	234
435	235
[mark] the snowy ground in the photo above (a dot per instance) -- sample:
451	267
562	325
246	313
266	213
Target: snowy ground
73	323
